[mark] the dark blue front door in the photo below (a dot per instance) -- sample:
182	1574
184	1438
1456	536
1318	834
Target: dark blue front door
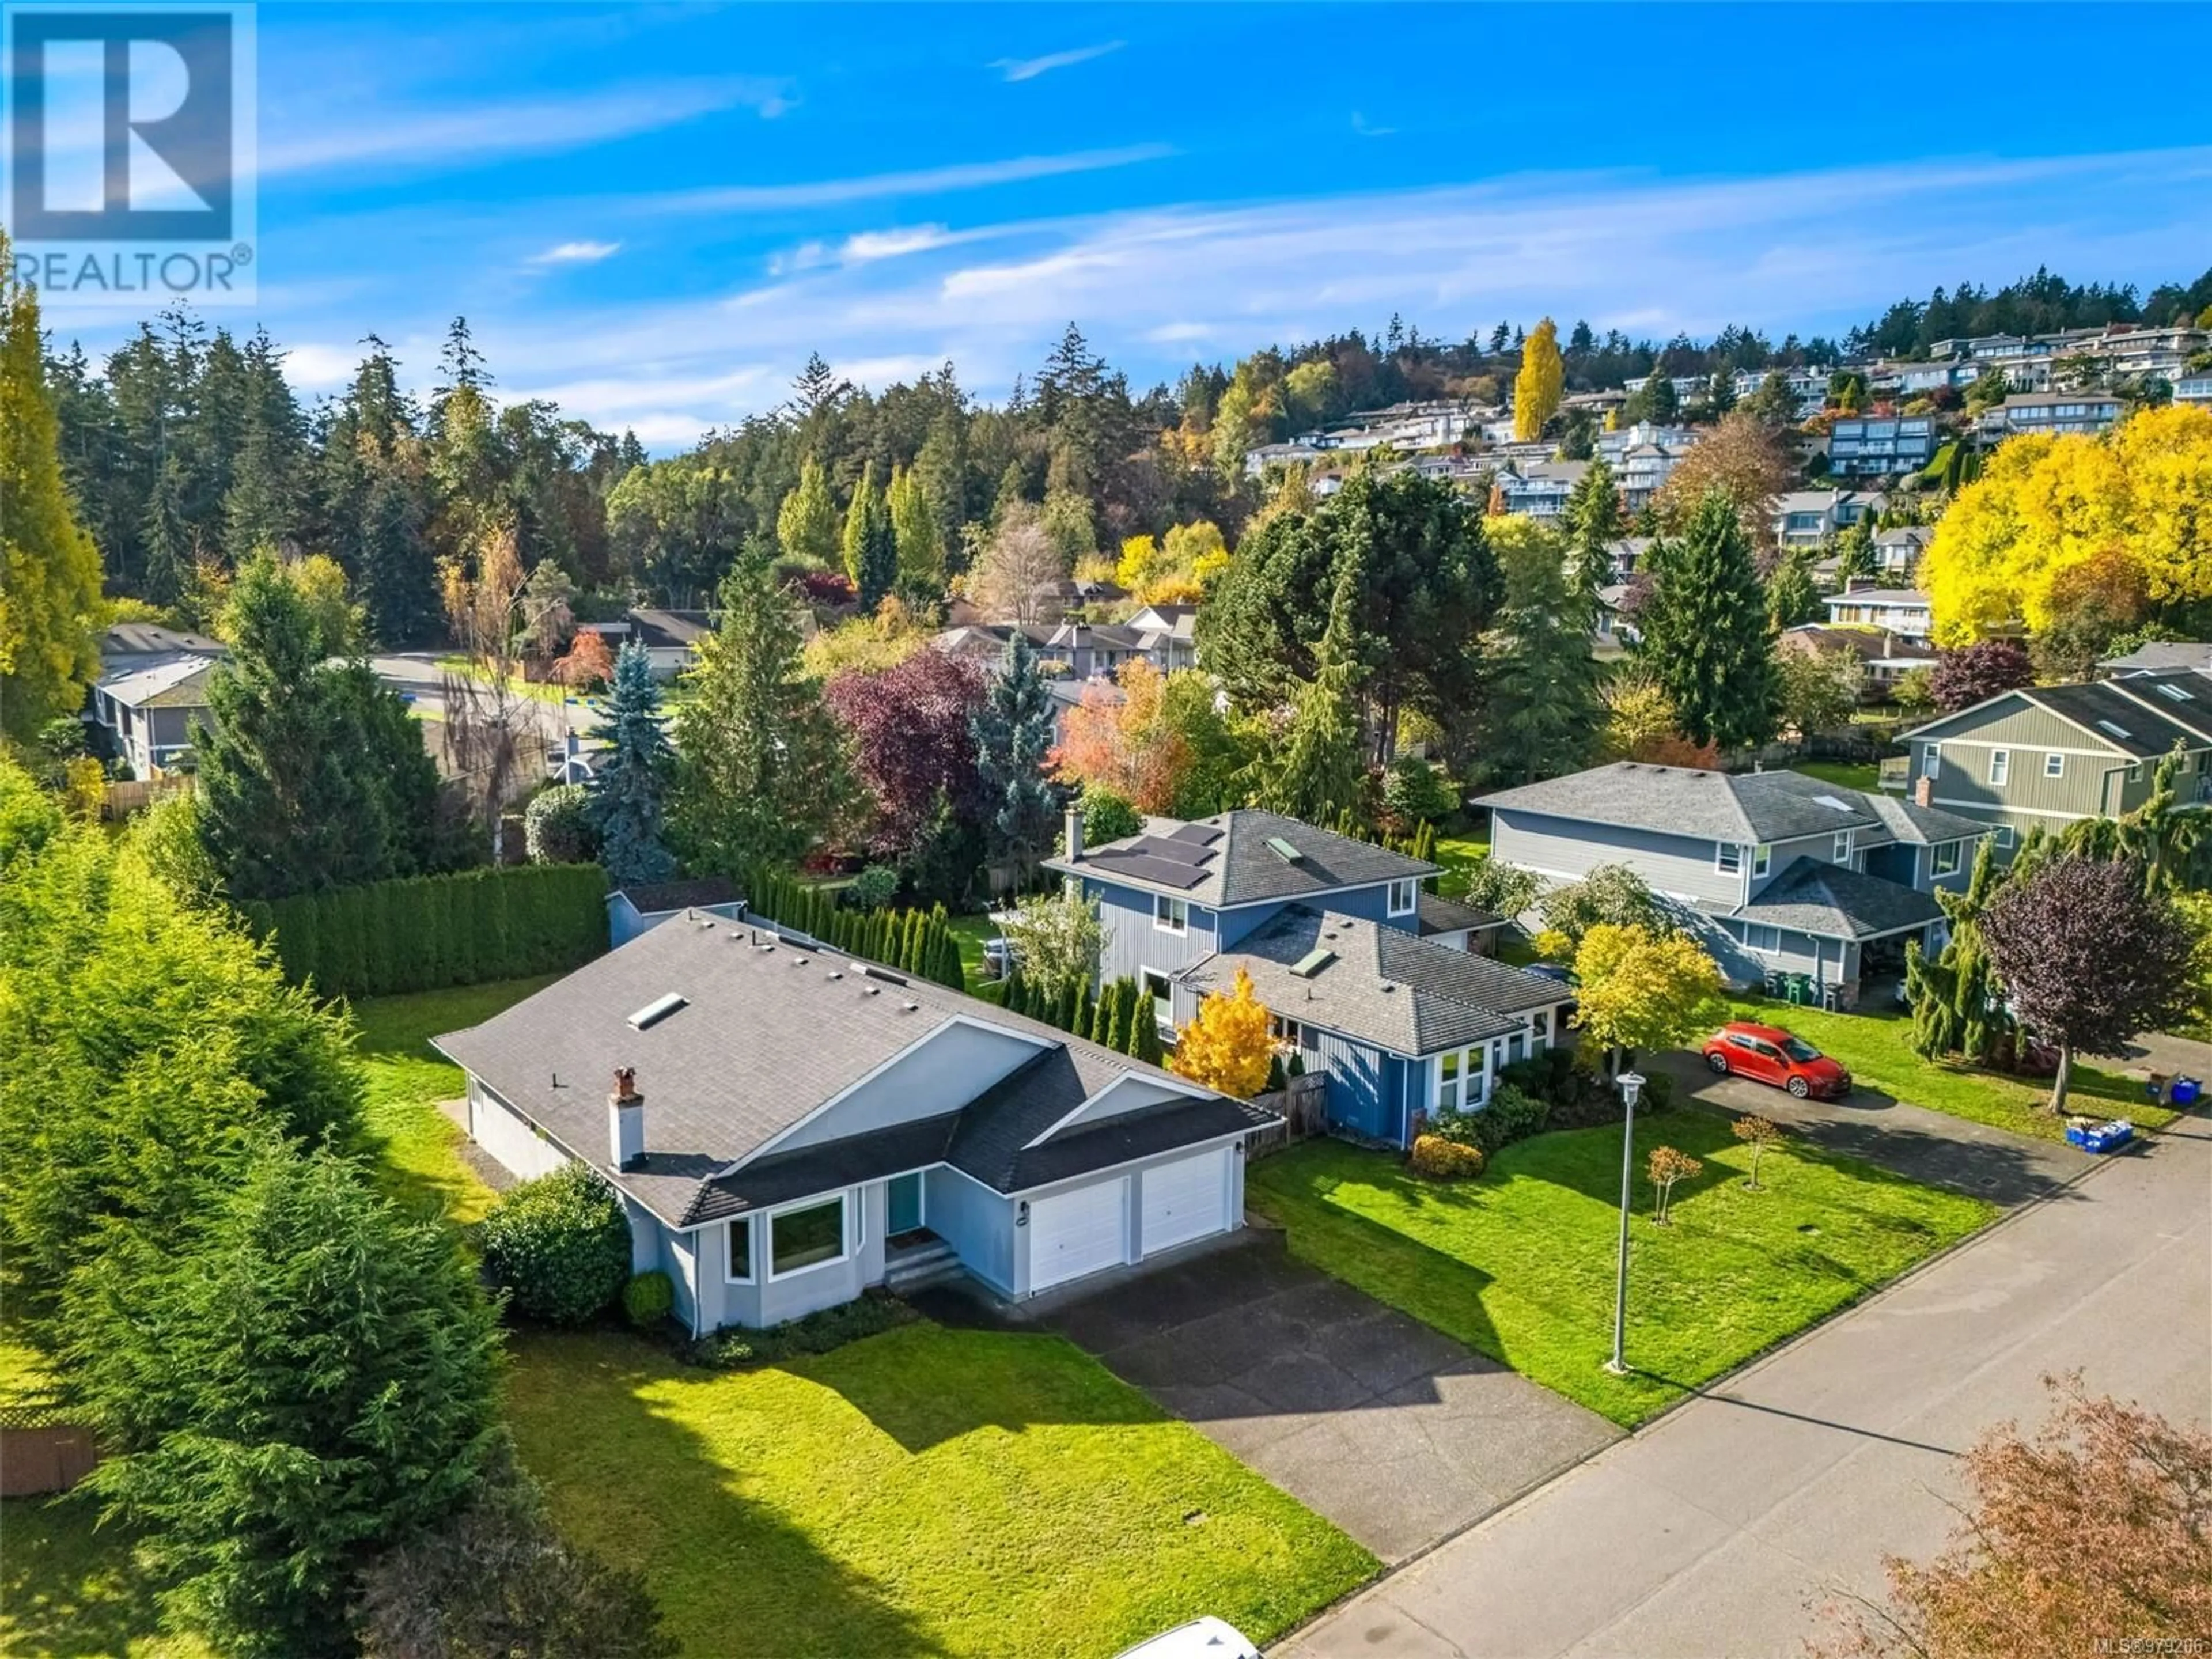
903	1204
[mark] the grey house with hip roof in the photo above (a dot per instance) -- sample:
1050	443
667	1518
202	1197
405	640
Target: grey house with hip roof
787	1126
1773	871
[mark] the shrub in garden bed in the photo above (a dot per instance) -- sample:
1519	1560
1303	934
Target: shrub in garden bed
870	1314
1444	1160
559	1246
648	1299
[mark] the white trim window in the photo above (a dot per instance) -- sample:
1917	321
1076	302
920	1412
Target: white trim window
815	1232
1943	858
1841	851
1931	761
1762	859
737	1251
2000	766
2001	835
1171	915
1727	857
2054	765
1286	1031
1762	939
1459	1078
1402	897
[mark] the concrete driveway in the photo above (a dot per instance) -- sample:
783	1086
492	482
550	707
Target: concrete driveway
1394	1432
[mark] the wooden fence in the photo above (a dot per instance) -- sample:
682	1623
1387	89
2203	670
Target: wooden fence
1301	1112
121	799
39	1455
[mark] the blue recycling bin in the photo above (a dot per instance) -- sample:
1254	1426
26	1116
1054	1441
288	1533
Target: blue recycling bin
2186	1091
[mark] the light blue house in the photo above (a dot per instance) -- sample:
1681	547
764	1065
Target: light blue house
641	906
1184	904
1774	871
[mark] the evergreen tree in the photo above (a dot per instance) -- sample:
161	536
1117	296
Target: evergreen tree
1957	1007
166	535
1657	401
1705	632
1013	734
761	772
398	583
50	603
311	1379
871	546
1544	713
1319	775
1592	515
915	527
806	524
625	808
1792	597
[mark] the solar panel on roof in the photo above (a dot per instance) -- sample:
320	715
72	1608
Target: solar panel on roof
1165	872
1176	852
1203	835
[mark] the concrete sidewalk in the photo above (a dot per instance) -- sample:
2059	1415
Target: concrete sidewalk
1724	1526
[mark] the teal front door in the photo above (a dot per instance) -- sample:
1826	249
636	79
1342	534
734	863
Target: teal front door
903	1204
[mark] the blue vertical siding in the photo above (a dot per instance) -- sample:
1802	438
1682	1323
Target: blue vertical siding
1133	943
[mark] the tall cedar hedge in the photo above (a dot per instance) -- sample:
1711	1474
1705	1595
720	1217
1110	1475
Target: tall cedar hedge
917	942
426	932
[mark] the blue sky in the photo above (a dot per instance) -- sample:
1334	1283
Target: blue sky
654	213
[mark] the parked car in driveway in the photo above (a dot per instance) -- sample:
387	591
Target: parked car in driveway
1769	1054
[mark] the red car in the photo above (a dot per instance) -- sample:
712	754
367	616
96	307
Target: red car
1767	1053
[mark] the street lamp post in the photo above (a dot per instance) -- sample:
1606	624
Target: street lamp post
1631	1085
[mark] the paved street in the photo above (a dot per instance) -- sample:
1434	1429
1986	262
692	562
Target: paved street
1717	1530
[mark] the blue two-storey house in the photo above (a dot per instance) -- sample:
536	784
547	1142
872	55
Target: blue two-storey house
1380	985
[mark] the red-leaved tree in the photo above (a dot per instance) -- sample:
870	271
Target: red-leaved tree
2095	1536
1965	677
588	662
2087	958
1116	739
909	725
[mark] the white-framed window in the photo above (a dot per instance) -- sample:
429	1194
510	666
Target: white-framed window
1842	850
737	1251
2135	773
2000	765
1459	1078
1931	761
1162	996
1286	1031
2054	766
1762	939
1762	859
2002	836
1727	857
1944	857
1540	1022
814	1233
1171	915
1403	897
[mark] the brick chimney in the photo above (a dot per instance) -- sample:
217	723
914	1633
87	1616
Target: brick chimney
625	1121
1924	791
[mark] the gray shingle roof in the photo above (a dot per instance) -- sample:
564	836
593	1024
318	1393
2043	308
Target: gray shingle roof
766	1036
1243	869
1382	985
1837	902
658	897
1675	800
2181	697
1443	915
2101	705
1908	820
2165	653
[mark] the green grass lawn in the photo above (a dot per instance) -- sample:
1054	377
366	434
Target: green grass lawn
1456	854
926	1491
1876	1046
72	1590
1519	1264
1847	773
407	1079
971	931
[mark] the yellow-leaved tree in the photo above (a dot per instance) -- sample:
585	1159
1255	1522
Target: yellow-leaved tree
1642	989
2046	507
1541	384
1226	1045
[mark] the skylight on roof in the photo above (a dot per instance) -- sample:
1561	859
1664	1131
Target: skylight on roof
1313	962
2115	728
1283	850
1830	800
658	1010
2177	694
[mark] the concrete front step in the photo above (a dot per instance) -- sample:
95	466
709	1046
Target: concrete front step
911	1269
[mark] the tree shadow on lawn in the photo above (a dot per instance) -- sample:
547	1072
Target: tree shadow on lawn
646	1490
70	1588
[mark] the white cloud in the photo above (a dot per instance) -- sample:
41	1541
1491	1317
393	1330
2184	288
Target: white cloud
1028	69
893	244
921	181
394	137
1360	124
575	253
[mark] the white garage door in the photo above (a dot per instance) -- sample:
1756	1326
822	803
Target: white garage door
1185	1200
1079	1232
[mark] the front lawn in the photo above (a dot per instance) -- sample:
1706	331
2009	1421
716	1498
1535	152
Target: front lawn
1519	1264
1876	1046
1866	777
421	1147
926	1491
